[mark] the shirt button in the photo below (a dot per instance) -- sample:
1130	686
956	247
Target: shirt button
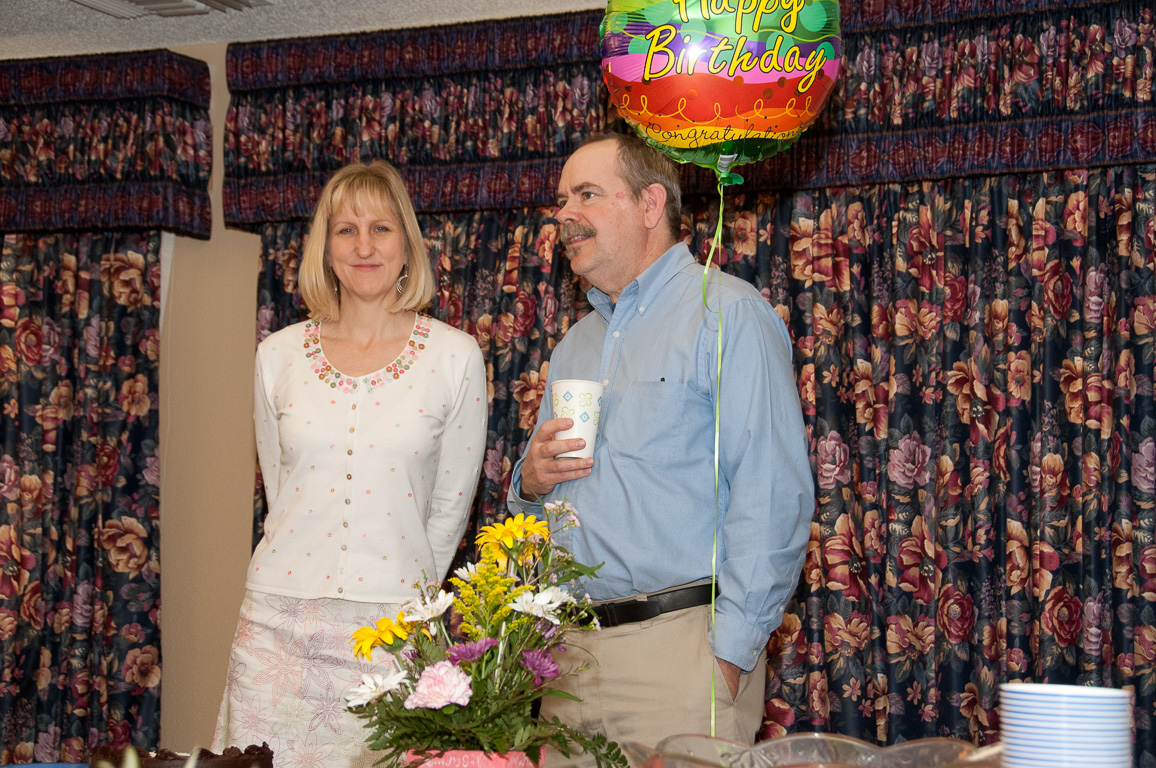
340	590
351	429
617	334
641	310
343	547
354	406
349	452
345	524
349	477
347	501
606	382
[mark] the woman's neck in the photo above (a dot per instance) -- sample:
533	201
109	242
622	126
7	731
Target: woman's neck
366	325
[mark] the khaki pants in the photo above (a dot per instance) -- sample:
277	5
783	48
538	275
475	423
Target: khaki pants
652	679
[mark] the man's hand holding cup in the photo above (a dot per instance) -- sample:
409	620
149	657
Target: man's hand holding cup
563	448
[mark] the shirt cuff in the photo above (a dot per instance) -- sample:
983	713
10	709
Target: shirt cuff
737	642
514	499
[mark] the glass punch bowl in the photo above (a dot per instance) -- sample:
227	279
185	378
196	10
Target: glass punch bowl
804	750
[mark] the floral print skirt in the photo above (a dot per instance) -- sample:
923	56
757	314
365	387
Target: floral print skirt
289	671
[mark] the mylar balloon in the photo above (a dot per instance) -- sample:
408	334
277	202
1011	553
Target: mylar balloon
720	82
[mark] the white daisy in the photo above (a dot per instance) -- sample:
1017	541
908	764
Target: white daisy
373	687
418	610
542	604
466	572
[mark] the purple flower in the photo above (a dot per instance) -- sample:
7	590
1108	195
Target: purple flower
493	465
1125	36
1144	467
1097	289
541	664
431	105
865	63
580	92
464	652
1048	44
930	59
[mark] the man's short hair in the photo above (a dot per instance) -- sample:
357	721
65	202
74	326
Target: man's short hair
639	166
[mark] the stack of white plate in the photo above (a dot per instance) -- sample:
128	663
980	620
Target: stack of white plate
1065	726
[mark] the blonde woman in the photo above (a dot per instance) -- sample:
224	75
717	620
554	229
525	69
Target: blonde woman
371	429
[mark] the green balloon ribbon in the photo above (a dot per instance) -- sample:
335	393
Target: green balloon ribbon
725	179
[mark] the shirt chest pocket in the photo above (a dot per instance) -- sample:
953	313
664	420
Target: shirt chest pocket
647	422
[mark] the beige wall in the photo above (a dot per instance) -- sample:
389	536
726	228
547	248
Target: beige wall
207	451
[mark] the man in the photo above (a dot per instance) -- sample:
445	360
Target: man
646	501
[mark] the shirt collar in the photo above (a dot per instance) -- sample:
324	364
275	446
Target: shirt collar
647	285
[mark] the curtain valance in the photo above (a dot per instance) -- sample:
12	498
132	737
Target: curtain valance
482	115
105	142
941	89
476	116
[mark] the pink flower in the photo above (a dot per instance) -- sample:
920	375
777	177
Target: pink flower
440	685
832	461
907	466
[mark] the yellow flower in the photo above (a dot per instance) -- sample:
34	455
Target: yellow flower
495	541
535	527
386	633
503	533
363	641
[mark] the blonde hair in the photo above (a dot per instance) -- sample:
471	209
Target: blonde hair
376	187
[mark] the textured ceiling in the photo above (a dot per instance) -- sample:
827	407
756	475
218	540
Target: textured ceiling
39	28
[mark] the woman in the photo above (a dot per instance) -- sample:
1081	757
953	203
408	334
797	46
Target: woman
371	429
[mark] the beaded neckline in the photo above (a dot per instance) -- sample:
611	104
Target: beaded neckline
327	374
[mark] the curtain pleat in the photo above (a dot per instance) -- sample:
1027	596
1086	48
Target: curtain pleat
79	476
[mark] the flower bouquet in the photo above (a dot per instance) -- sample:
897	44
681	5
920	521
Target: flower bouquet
474	687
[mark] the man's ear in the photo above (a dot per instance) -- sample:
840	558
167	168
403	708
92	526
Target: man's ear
654	206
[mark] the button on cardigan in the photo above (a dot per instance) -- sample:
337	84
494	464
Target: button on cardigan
369	479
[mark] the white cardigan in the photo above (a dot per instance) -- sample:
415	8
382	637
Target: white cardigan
370	479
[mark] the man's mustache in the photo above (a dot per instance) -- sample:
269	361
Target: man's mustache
571	231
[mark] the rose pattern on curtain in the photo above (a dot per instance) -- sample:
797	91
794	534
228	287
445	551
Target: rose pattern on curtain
79	475
963	250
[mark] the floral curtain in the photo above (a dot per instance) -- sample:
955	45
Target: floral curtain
97	155
79	573
963	249
975	362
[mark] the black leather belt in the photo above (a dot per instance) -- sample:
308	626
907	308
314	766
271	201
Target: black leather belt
631	611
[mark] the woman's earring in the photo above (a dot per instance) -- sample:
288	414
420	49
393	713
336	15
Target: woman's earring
402	280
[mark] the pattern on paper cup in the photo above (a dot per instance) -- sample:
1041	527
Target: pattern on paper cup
581	401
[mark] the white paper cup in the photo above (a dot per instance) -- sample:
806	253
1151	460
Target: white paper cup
1065	726
580	400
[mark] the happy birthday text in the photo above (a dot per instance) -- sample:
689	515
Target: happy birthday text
708	8
729	56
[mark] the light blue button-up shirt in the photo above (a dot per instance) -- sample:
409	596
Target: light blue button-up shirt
647	508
